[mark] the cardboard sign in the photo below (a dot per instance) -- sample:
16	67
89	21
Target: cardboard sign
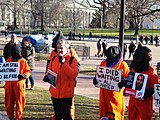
9	71
52	76
157	95
108	78
136	85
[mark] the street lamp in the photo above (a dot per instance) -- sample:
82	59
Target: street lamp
121	31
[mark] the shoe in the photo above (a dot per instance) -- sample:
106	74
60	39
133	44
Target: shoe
26	86
32	87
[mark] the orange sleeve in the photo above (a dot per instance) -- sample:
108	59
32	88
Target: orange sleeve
153	78
125	69
26	69
72	70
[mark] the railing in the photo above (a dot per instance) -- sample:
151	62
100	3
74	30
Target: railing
81	49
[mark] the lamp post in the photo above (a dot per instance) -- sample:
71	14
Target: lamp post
121	29
29	22
42	15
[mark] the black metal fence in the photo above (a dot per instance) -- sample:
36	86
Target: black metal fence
81	49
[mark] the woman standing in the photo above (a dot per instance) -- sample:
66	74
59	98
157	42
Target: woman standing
28	52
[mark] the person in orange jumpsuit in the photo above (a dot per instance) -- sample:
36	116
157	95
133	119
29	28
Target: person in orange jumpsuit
143	109
15	90
62	96
112	101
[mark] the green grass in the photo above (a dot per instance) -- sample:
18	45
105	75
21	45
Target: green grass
39	105
100	32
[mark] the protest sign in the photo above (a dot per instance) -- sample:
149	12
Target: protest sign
136	85
52	76
9	71
108	78
157	95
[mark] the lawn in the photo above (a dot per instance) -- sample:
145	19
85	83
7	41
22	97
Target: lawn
99	32
39	106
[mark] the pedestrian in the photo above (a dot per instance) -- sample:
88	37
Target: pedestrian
151	39
98	48
8	47
140	64
28	52
131	48
141	38
146	39
90	35
111	101
6	34
15	90
73	36
70	35
61	64
156	40
83	36
80	36
124	50
104	48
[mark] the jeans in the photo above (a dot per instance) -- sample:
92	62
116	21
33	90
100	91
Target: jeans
31	78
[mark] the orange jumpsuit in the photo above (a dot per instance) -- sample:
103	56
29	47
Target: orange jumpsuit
112	101
73	53
143	109
15	91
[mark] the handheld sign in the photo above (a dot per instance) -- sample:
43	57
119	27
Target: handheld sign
108	78
9	71
157	95
136	85
52	76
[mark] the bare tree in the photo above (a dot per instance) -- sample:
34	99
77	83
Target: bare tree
139	9
104	7
15	6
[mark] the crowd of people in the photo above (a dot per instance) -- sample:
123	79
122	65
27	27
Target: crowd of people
149	40
63	64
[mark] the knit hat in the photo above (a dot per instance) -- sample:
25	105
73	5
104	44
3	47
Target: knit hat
57	39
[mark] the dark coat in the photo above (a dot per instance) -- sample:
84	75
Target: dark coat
29	53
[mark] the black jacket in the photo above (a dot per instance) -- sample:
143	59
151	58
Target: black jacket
29	53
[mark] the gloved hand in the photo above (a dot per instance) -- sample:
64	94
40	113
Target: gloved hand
122	84
45	79
22	76
61	59
148	93
94	81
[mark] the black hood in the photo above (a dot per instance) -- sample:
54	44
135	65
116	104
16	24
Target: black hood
141	59
16	52
113	53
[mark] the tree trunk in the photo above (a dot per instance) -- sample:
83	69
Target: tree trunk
15	20
136	30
